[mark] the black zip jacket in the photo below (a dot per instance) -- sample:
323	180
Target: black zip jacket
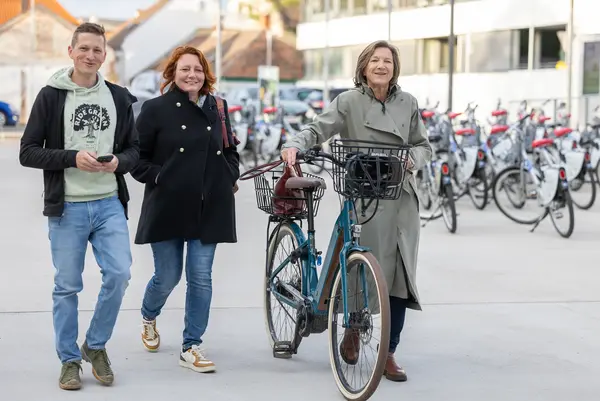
43	144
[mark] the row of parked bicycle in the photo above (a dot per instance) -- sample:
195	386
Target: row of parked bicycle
261	135
531	168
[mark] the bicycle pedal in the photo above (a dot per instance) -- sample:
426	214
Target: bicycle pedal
283	350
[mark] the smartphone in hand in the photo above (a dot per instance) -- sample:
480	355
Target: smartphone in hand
105	159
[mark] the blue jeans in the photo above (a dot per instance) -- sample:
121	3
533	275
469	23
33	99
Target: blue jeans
168	267
104	225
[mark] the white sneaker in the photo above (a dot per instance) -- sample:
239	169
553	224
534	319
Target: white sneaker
150	336
195	359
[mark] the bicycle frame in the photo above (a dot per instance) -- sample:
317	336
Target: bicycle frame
316	289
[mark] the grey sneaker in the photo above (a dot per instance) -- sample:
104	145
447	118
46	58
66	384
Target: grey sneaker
100	364
69	376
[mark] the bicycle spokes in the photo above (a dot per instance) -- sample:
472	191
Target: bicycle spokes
357	341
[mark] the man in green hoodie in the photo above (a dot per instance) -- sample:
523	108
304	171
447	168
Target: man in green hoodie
81	132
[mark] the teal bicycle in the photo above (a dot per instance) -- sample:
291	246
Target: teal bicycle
349	297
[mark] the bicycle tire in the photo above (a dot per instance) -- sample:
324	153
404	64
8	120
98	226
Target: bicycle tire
592	200
485	192
499	176
367	391
571	213
452	224
281	231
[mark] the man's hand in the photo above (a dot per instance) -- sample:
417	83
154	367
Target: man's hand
86	161
111	166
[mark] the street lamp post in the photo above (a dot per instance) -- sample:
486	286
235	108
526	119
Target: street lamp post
326	58
219	47
389	10
570	59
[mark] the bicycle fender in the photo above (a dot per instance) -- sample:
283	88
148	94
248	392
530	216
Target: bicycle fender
357	248
297	231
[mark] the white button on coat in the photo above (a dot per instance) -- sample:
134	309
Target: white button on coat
208	128
181	150
218	152
183	127
178	104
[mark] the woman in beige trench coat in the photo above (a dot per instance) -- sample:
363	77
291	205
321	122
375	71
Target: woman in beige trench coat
378	110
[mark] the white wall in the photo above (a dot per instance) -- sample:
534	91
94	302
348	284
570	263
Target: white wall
429	22
173	24
471	17
35	78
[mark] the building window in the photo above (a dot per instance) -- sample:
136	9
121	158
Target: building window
336	62
523	59
408	56
436	55
550	47
380	5
359	7
313	64
313	10
344	7
591	68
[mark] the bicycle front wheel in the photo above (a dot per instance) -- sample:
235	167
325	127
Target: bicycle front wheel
565	202
281	318
357	374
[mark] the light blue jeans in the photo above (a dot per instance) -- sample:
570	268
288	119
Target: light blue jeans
104	225
168	268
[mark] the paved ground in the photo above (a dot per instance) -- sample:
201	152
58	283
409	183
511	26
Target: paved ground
508	315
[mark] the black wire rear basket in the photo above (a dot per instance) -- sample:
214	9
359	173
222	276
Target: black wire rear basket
283	206
370	170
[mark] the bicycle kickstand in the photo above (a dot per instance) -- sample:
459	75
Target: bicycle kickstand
431	217
539	220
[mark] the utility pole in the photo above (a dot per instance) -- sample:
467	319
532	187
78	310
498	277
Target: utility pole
326	58
570	59
451	55
219	47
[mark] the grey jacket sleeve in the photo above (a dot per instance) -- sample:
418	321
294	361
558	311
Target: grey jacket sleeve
327	124
421	151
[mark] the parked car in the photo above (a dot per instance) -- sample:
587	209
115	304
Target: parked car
9	114
315	98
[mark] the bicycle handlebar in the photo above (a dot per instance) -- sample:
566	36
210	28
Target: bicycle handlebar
315	152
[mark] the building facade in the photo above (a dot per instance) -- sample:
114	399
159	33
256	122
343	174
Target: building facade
510	50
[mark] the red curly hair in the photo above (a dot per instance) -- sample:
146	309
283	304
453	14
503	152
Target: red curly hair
171	66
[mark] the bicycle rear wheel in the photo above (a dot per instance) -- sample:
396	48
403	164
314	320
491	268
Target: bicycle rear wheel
510	182
345	348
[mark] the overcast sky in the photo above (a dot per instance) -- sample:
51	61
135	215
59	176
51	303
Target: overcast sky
109	9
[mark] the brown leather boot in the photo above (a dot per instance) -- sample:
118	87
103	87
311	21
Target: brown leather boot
392	371
350	346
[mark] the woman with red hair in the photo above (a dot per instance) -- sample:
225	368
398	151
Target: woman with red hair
189	165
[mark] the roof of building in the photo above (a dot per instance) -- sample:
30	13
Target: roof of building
10	9
244	51
118	35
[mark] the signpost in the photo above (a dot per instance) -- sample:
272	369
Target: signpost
268	86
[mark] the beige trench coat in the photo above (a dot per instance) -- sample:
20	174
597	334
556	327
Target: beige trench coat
393	234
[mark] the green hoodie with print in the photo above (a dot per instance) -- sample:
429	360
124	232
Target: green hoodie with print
90	120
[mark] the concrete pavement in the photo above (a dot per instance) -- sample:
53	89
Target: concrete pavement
508	315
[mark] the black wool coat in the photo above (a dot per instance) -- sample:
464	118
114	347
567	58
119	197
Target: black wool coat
188	173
